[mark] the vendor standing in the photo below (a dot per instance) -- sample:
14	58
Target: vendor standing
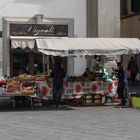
122	83
87	74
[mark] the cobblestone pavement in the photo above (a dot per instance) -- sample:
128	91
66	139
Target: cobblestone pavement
70	123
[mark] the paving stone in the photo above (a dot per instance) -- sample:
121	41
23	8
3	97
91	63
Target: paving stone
77	123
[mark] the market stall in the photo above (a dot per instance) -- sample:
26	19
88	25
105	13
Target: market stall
89	46
93	91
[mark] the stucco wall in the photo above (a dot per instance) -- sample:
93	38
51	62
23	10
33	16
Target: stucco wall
50	8
75	9
130	26
108	18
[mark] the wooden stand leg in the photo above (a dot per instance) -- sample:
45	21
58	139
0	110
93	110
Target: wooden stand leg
31	100
14	102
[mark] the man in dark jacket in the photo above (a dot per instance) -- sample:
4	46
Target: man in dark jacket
58	74
122	83
133	68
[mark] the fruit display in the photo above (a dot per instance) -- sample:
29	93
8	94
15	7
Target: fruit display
26	77
28	87
13	86
24	84
45	78
13	83
2	81
40	78
28	90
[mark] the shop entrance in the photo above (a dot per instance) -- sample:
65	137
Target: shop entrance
25	61
19	61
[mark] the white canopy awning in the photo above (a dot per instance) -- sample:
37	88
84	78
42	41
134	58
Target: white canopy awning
22	42
25	41
79	46
89	46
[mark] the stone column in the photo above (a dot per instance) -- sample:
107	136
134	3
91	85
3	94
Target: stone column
92	18
129	6
103	18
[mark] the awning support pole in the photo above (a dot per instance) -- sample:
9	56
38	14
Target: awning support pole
48	65
43	63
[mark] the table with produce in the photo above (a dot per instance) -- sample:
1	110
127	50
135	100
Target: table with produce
20	87
75	89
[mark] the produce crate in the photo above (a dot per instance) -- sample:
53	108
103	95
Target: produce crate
92	99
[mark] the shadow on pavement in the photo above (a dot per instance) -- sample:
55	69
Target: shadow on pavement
8	107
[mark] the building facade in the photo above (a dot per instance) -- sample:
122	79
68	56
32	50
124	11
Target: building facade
130	23
25	11
130	18
92	18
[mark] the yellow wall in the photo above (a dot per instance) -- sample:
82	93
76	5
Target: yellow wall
130	27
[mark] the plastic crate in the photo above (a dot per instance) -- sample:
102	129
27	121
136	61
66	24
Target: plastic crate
136	102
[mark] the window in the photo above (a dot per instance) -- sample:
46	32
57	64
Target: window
135	5
124	8
129	7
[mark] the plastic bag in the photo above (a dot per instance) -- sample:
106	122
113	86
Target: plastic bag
137	78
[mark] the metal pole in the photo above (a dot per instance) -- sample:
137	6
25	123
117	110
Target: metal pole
43	57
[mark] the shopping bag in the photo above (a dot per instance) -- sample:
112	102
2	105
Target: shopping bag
137	78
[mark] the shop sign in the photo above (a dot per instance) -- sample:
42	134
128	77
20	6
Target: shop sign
38	30
78	52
